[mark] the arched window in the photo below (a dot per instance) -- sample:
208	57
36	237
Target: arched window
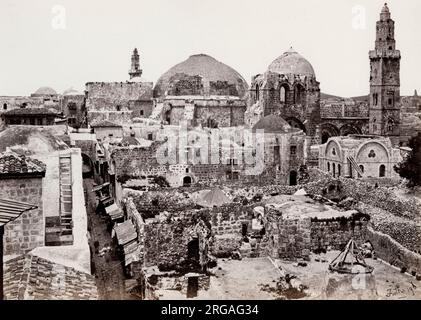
339	170
390	125
257	92
283	93
328	167
362	168
382	171
334	169
299	94
4	106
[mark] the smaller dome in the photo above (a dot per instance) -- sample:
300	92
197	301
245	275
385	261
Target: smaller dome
45	91
291	62
71	92
273	124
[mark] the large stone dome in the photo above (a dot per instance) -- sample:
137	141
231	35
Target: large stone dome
291	62
273	124
216	78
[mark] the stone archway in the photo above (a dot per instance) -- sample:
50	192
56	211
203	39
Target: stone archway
348	129
296	123
327	131
187	181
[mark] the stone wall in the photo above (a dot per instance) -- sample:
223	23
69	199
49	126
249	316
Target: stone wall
118	101
381	197
167	239
388	249
27	232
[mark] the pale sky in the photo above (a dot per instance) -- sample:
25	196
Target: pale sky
99	36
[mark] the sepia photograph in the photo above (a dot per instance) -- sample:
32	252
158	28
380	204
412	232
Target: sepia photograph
210	150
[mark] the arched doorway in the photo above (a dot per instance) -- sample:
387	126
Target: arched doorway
382	171
293	178
187	181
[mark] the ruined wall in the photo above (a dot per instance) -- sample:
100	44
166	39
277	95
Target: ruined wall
167	242
382	197
335	234
393	252
27	232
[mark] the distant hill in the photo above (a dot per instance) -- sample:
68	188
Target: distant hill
325	96
360	98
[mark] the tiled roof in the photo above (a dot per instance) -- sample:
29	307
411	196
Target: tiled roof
29	277
13	163
30	111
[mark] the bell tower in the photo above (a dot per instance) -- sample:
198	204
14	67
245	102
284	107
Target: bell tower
135	70
385	79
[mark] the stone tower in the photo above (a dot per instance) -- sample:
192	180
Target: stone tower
384	79
135	70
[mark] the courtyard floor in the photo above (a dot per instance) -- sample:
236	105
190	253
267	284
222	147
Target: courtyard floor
246	279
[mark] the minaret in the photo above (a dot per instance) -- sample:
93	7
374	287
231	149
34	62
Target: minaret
135	70
385	79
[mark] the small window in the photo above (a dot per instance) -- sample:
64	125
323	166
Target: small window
141	112
118	107
187	170
328	167
110	135
4	106
293	150
362	168
150	136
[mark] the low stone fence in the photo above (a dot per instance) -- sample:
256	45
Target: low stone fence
393	252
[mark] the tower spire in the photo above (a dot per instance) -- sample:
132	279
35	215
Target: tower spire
135	70
385	79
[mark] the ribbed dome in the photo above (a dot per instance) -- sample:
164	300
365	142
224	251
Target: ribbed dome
209	69
45	91
272	124
291	62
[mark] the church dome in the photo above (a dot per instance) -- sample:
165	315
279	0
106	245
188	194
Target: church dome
71	92
291	62
216	78
46	91
273	124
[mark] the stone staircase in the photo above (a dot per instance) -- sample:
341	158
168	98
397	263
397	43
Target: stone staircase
59	231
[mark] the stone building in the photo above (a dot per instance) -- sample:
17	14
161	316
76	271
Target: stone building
359	156
271	151
21	179
288	88
30	116
106	129
385	80
120	101
201	91
73	108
